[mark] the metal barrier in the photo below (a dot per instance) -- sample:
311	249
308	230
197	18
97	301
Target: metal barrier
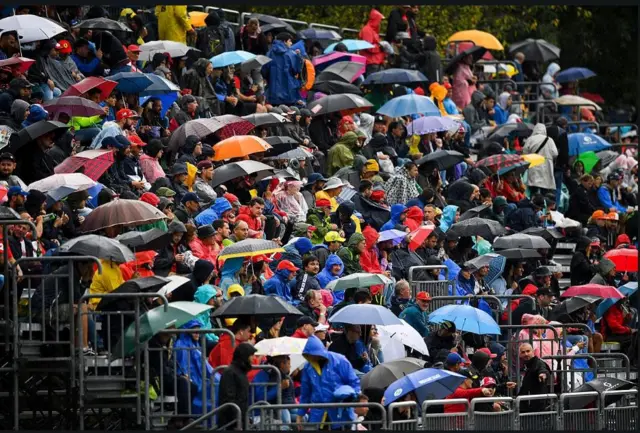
434	418
581	124
296	23
493	421
215	411
562	369
585	419
546	419
231	16
408	423
434	287
606	370
621	415
324	26
345	31
498	85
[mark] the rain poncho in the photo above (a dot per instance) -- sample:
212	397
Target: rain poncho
501	110
325	275
105	282
189	363
203	296
448	217
342	153
366	125
401	187
283	86
215	212
397	210
350	256
291	201
278	285
173	23
551	86
541	176
462	91
229	275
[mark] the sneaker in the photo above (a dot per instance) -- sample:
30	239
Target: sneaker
87	351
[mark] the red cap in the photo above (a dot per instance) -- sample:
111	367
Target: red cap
323	202
287	266
64	47
423	296
126	113
487	352
377	195
232	198
261	258
134	48
488	381
136	141
151	198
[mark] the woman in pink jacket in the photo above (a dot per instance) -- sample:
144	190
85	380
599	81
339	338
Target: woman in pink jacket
464	83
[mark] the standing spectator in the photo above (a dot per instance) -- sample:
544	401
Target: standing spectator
250	38
173	23
350	344
283	86
234	385
541	176
371	33
464	83
431	66
537	379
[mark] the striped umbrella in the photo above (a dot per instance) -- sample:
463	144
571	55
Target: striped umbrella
497	162
250	248
92	162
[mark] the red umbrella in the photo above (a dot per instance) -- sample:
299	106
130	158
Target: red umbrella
593	290
625	259
19	65
496	162
92	162
419	235
74	106
105	86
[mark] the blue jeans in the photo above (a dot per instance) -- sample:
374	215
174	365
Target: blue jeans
49	94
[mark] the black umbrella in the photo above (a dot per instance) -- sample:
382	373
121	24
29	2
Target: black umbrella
600	385
570	305
265	119
35	131
239	169
549	234
342	71
138	285
104	24
522	130
486	228
395	76
475	212
269	23
476	51
443	159
536	50
153	239
344	102
519	254
520	240
386	373
334	87
98	246
256	63
257	306
280	144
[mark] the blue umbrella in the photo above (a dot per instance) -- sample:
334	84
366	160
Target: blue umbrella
466	318
574	74
131	82
365	314
231	58
627	290
159	86
319	34
409	104
496	268
395	76
351	44
580	142
93	195
392	235
167	100
428	384
431	124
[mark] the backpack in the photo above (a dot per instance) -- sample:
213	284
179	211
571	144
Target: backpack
210	42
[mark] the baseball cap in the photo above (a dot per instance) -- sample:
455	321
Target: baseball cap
454	359
323	202
111	142
614	176
487	352
64	47
261	258
287	266
448	325
333	237
204	165
126	113
468	374
231	198
423	296
151	198
136	141
315	177
179	168
16	190
7	156
206	231
487	382
599	214
190	196
122	141
380	119
306	320
20	83
235	288
542	271
134	48
163	191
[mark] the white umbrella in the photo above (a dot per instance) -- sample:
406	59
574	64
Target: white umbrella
392	349
31	28
577	100
176	281
175	49
284	346
405	334
61	185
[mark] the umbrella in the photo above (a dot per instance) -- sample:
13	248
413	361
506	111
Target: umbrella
346	102
395	76
627	290
466	318
407	335
104	24
268	23
255	63
496	268
36	130
357	281
89	83
323	61
590	159
518	167
239	146
250	248
159	86
121	212
343	71
520	240
74	106
625	259
256	306
58	186
153	239
319	34
519	254
428	384
487	229
351	44
483	260
477	52
580	142
333	87
231	58
534	159
175	281
475	212
549	234
174	315
280	346
280	145
19	65
500	161
593	290
92	162
225	126
443	159
419	235
537	50
601	385
265	119
431	124
574	74
241	169
131	82
516	129
7	213
391	235
480	38
407	105
175	49
570	305
197	18
98	246
31	28
577	100
298	153
386	373
138	285
365	314
606	157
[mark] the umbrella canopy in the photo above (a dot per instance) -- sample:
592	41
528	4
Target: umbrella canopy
466	318
121	212
346	103
175	49
58	186
250	248
333	87
240	169
357	281
225	126
231	58
593	290
137	285
537	50
92	162
255	63
476	52
519	254
325	60
549	234
239	146
31	28
131	82
265	119
606	157
351	44
419	235
487	229
19	65
280	145
496	268
74	106
175	281
577	100
571	305
269	23
580	142
475	212
395	76
534	159
574	74
159	86
600	385
98	246
280	346
520	240
298	153
104	24
500	161
483	260
405	334
427	384
197	18
627	290
443	159
517	129
625	259
153	239
319	34
365	314
343	71
105	86
386	373
431	124
407	105
480	38
36	130
256	305
7	213
392	235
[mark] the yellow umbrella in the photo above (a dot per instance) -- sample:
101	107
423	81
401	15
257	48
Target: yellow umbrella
534	159
197	18
479	38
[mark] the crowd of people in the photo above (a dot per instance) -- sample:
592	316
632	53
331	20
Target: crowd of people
349	192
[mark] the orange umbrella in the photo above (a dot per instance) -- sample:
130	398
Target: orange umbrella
239	146
482	39
197	18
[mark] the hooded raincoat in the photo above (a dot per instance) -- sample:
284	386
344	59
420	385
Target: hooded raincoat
397	210
325	276
371	33
283	86
448	217
401	187
203	296
342	153
541	176
278	285
350	255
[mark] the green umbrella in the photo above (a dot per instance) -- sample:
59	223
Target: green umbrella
589	159
356	281
156	320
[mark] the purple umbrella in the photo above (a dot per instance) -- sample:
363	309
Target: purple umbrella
431	124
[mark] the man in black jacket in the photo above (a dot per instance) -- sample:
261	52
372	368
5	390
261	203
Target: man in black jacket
537	379
581	206
234	385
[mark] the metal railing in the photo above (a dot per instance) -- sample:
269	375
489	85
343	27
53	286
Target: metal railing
534	417
410	422
582	419
213	413
623	415
434	417
492	420
434	287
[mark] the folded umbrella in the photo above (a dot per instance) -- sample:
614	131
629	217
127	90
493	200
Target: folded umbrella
239	146
19	65
431	124
105	86
256	306
31	28
466	318
427	384
519	254
240	169
250	248
520	240
319	34
357	280
351	44
442	159
131	82
159	86
98	246
365	314
104	24
255	63
407	105
537	50
92	162
153	239
407	335
487	229
475	212
175	49
346	103
625	259
231	58
574	74
333	87
58	186
627	290
386	373
593	290
395	76
121	212
580	142
342	71
265	119
73	106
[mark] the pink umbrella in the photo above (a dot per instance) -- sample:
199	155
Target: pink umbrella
466	45
323	61
93	163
